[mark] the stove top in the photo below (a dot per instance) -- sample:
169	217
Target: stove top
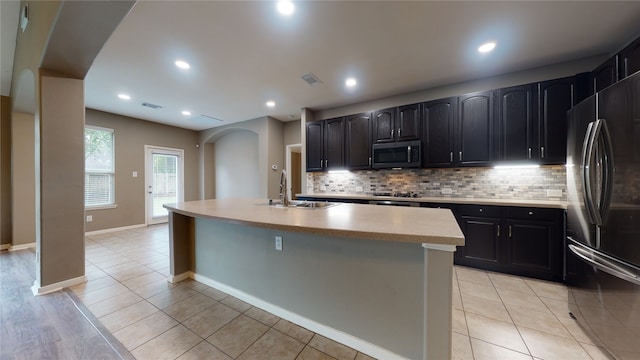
397	194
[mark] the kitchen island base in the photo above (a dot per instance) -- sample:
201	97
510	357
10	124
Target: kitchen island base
388	299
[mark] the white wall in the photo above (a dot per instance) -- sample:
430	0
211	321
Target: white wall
237	169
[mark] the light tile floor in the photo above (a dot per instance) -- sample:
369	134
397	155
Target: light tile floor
495	316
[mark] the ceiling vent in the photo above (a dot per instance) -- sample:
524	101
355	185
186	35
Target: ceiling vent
311	79
150	105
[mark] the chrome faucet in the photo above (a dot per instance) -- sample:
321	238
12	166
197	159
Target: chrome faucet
284	199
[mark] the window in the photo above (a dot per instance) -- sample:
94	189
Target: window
99	167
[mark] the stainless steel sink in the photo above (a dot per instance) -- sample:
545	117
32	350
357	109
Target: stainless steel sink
309	205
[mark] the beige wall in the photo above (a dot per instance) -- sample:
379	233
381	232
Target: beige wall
5	171
131	135
292	132
23	178
270	152
236	162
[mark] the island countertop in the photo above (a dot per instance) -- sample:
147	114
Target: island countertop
389	223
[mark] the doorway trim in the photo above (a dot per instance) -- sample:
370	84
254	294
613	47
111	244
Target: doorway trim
297	148
149	150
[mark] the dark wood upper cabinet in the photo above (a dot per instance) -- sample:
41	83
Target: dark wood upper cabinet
334	143
629	59
555	98
384	125
325	145
396	124
605	74
358	141
438	124
315	146
408	123
476	129
518	124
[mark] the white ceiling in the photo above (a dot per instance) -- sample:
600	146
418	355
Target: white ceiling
243	53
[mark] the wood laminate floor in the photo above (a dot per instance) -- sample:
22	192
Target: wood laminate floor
46	327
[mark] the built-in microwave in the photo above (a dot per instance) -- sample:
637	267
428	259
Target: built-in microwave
403	154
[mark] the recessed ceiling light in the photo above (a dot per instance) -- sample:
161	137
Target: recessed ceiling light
351	82
186	112
271	103
124	96
182	64
487	47
285	7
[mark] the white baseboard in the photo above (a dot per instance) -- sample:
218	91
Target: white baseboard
106	231
326	331
184	276
5	247
22	246
43	290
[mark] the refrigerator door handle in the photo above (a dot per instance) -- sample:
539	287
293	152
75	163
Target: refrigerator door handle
601	263
607	186
588	148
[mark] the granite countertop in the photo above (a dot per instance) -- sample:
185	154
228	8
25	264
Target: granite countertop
550	204
389	223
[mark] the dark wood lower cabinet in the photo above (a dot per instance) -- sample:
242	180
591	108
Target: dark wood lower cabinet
519	241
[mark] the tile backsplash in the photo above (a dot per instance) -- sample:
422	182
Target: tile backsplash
543	183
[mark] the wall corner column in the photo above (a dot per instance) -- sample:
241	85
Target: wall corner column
60	257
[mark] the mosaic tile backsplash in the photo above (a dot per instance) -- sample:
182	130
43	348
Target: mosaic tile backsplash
543	183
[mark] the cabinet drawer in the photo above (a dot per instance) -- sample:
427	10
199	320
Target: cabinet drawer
479	210
532	213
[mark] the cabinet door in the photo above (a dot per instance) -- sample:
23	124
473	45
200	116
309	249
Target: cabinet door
384	125
315	146
533	248
630	59
635	115
475	129
334	143
358	141
438	136
408	123
482	242
518	135
555	99
605	74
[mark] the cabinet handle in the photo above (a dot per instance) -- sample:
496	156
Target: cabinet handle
392	133
509	231
460	155
542	152
529	153
408	150
498	233
321	163
369	160
398	132
326	163
451	156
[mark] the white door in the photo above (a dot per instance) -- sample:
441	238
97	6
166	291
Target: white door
164	178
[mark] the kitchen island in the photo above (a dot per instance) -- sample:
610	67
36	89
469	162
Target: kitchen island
376	278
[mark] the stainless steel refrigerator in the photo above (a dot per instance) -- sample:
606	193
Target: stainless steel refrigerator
603	217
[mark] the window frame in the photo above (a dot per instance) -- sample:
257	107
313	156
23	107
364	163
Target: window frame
111	174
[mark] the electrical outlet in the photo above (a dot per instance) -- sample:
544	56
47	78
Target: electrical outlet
134	174
89	218
278	243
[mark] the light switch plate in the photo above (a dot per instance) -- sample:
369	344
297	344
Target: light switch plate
135	174
446	191
359	189
278	243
